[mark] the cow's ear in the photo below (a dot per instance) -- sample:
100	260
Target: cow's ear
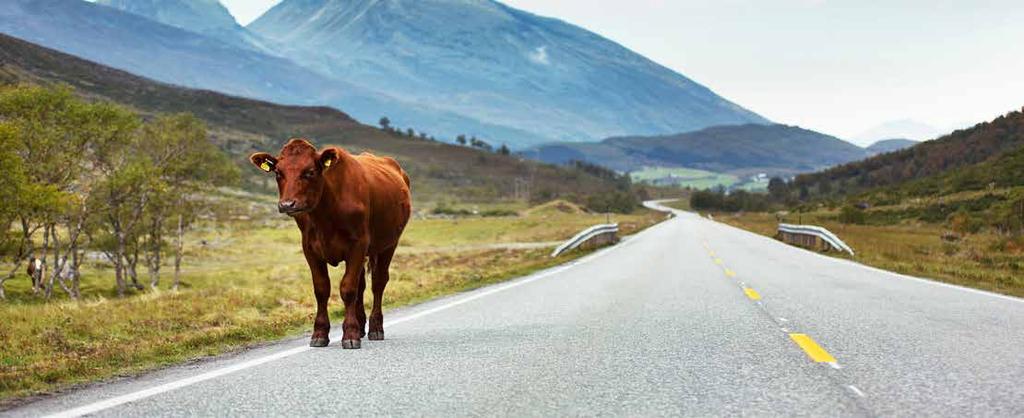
263	161
328	158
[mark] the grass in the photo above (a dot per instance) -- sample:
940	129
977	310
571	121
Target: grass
685	177
984	260
247	283
683	203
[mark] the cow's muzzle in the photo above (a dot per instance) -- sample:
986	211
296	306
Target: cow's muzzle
289	207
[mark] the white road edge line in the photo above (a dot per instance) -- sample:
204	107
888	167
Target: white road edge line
167	387
857	391
188	381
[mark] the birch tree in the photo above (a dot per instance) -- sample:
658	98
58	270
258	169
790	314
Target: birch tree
187	165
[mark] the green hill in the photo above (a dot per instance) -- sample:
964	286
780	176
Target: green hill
240	126
946	159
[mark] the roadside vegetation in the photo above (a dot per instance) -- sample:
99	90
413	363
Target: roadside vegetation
984	260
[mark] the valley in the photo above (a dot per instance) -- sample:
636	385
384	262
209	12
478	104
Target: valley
738	151
683	177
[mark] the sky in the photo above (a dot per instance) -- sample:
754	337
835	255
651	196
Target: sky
841	67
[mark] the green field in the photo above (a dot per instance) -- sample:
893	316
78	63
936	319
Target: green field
752	186
684	177
246	282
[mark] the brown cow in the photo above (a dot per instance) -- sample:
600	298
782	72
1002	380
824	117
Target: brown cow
349	208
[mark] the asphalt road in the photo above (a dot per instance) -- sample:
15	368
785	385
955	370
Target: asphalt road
690	317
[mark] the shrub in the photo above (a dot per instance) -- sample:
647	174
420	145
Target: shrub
497	213
852	215
963	223
618	202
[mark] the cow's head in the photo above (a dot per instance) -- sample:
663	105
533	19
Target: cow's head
300	174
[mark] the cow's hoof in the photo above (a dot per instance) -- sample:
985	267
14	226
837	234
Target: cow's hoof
319	342
376	336
351	344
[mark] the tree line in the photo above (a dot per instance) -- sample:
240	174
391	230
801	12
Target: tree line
622	199
87	178
462	139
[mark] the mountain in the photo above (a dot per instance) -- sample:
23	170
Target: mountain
495	64
165	53
961	150
890	145
903	128
742	149
206	17
240	126
143	46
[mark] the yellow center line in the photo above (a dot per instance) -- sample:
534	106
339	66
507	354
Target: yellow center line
751	293
813	350
718	261
730	273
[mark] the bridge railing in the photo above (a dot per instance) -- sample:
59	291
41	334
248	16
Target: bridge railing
810	236
597	234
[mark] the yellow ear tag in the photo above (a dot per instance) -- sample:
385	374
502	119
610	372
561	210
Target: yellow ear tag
327	163
265	166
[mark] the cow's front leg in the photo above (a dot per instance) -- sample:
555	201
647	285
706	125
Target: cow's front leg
360	307
322	290
350	293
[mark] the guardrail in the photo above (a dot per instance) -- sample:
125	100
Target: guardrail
809	236
606	232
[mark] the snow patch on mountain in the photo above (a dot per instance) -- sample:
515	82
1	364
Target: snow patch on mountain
540	55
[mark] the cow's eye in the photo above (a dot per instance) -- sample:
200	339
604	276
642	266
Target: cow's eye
279	175
308	174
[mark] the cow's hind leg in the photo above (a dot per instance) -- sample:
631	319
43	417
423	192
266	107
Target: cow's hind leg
350	284
380	281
